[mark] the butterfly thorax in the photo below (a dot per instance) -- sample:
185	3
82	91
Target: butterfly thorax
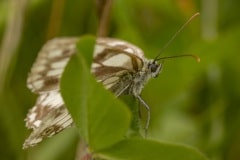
132	83
150	70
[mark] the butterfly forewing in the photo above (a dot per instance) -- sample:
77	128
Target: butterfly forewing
113	64
50	63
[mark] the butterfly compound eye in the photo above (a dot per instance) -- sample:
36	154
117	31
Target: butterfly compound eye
155	69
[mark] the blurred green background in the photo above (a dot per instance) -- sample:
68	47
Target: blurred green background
197	104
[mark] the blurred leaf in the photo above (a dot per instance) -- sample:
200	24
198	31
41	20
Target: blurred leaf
62	145
143	149
101	118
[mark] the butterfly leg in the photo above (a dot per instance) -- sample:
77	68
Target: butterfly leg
121	91
148	113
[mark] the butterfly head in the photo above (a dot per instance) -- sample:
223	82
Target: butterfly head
154	68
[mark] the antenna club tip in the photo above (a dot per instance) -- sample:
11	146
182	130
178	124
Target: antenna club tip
198	59
197	14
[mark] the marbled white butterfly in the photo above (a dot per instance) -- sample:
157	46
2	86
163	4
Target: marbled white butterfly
120	66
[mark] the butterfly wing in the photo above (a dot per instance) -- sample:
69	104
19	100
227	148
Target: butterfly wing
49	115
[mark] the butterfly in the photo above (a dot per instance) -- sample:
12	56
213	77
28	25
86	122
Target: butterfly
120	66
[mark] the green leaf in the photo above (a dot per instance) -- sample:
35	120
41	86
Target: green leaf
101	118
143	149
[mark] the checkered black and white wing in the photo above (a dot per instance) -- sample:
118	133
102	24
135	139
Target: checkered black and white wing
49	115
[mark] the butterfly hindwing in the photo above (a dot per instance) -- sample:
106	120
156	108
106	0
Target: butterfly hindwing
48	117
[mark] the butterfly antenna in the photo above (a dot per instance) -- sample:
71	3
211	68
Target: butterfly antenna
175	35
178	56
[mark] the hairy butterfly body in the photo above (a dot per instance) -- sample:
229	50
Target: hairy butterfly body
120	66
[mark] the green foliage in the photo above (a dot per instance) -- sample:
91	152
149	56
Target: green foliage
191	104
143	149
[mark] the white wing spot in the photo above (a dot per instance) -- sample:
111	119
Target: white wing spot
38	68
40	61
120	60
98	49
37	123
38	84
110	80
60	64
94	66
32	117
55	72
34	77
130	50
55	53
108	86
52	98
115	43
